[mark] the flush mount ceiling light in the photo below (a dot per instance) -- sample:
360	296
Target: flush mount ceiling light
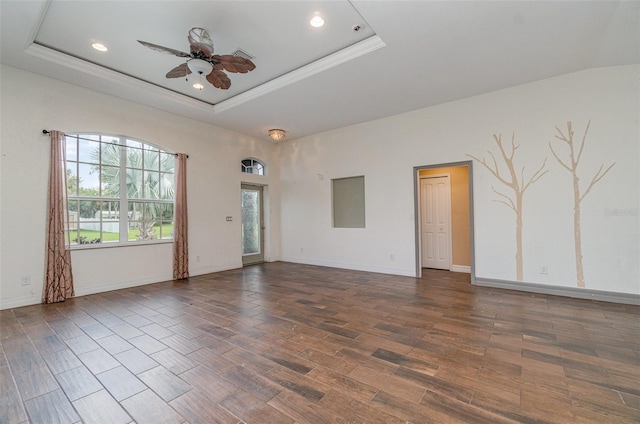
316	21
100	47
276	134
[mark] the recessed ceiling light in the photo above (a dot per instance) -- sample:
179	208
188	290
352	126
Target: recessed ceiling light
99	47
316	21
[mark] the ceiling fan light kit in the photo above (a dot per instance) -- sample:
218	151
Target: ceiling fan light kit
199	66
276	134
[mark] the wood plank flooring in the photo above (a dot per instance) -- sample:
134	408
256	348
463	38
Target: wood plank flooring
287	343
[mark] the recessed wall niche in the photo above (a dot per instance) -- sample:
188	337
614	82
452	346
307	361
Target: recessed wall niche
348	202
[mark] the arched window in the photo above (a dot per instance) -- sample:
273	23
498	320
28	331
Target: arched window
119	190
253	166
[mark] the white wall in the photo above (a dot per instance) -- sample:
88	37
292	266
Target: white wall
386	150
31	103
300	173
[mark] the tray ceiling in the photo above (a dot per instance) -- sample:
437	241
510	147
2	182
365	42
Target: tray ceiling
407	55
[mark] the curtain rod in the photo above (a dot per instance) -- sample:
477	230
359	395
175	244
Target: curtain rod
47	132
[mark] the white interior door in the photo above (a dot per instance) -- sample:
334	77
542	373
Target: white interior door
435	211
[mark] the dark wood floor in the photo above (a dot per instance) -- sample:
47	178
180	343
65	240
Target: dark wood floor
285	343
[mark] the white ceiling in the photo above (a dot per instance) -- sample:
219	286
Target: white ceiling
408	55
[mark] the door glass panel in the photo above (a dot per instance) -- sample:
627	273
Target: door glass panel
250	222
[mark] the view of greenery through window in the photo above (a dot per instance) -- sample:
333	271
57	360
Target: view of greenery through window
109	174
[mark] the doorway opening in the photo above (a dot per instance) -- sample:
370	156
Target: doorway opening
252	224
444	217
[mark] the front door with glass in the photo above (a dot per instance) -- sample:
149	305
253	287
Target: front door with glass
252	225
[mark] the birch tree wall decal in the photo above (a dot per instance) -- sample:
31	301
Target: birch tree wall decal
572	167
519	186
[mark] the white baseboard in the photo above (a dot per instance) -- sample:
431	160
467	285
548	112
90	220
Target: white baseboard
461	268
575	292
211	269
158	279
88	290
85	291
17	302
355	267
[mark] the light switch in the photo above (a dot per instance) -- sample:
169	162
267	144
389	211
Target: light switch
229	218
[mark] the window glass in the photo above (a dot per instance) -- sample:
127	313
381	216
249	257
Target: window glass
250	222
108	174
88	151
88	179
134	143
110	177
71	152
252	166
151	159
168	161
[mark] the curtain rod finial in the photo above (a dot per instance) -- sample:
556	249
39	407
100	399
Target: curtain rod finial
45	132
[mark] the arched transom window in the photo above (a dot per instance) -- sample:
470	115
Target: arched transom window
253	166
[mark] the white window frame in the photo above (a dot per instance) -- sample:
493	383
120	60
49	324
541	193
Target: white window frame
249	169
123	200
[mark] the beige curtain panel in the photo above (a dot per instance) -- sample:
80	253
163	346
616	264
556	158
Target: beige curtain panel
58	285
180	233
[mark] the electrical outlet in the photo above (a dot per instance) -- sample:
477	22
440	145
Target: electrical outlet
302	250
544	270
392	257
26	280
198	258
229	218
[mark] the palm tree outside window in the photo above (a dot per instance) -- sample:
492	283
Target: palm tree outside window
120	190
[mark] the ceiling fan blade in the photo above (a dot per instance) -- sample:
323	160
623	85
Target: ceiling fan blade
200	42
179	71
163	49
234	64
219	79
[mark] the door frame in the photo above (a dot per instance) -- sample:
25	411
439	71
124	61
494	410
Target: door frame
261	189
416	204
446	175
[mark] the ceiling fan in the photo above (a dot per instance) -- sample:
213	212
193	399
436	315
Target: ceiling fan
201	60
